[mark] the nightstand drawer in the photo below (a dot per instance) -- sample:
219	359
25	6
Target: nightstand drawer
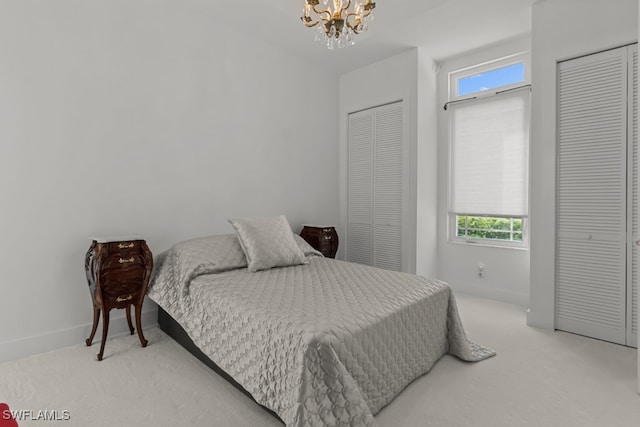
123	262
133	274
121	300
124	248
119	294
115	288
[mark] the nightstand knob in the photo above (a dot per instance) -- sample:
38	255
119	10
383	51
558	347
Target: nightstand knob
125	245
125	261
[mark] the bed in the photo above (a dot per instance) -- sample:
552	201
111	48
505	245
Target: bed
321	342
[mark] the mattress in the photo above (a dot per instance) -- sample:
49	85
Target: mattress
323	343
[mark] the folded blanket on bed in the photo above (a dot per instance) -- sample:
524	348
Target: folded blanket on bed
326	343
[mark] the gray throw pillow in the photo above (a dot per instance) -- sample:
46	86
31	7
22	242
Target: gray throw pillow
267	242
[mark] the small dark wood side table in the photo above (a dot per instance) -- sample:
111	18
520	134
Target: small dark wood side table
323	239
118	271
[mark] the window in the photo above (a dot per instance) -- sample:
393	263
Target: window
489	153
498	77
477	227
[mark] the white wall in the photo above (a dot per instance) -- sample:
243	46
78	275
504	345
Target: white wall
408	76
506	270
427	168
128	117
561	29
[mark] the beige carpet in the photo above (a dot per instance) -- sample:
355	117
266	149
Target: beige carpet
538	378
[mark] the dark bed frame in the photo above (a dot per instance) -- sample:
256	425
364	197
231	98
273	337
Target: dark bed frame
172	328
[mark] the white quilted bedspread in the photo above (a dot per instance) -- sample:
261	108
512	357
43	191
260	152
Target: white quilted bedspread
326	343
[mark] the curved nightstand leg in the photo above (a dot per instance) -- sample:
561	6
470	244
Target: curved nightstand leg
96	319
128	309
105	329
143	341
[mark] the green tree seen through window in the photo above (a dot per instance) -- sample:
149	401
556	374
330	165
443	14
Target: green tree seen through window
478	227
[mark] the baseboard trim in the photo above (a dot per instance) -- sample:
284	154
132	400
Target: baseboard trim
494	294
25	347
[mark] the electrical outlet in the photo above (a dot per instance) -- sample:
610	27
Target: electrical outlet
480	270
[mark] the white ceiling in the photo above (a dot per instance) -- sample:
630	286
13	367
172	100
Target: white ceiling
444	28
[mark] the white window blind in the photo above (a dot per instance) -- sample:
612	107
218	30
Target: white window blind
490	156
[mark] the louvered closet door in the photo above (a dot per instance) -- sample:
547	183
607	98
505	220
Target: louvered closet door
632	249
591	244
375	207
388	188
360	188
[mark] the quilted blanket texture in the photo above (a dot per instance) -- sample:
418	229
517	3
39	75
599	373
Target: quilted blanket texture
328	343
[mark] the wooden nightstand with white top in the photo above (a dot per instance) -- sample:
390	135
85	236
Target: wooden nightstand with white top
324	239
118	270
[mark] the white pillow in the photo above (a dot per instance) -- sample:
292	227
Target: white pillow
267	242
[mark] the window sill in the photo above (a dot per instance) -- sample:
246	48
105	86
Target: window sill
485	244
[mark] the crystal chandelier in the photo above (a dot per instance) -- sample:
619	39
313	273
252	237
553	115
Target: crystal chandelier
339	24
